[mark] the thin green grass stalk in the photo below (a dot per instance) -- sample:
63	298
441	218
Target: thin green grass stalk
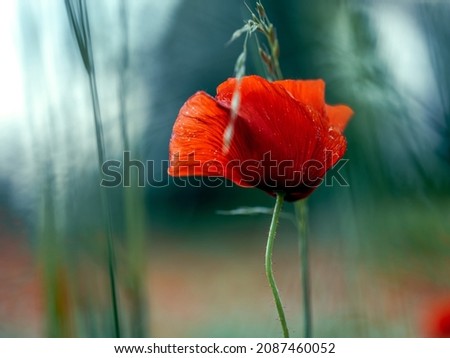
136	251
48	248
123	83
78	18
134	207
301	211
269	269
54	271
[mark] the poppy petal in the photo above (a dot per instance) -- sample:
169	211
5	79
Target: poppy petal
271	120
310	92
282	121
197	138
339	116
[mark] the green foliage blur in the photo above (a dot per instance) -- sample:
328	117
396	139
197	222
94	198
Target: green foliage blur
380	245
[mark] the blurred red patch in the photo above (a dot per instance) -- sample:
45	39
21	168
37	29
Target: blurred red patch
437	321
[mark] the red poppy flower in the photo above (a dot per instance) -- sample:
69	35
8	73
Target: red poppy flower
285	136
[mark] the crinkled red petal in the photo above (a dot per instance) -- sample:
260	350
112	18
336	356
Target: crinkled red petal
196	142
310	92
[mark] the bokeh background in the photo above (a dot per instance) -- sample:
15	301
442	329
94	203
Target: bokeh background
380	246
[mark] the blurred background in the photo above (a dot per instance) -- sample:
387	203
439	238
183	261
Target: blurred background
380	246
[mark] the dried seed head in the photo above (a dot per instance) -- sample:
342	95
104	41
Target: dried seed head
260	9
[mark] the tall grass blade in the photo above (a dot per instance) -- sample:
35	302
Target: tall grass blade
79	21
134	207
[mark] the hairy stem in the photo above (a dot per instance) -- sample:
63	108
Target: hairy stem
269	269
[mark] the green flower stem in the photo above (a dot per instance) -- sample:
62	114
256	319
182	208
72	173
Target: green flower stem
269	269
301	210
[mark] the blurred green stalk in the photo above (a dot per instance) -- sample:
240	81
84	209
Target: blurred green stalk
54	274
134	207
301	212
78	18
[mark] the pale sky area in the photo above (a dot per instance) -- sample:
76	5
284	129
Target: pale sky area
403	46
11	84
